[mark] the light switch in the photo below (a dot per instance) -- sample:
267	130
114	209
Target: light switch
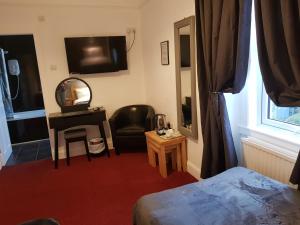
41	18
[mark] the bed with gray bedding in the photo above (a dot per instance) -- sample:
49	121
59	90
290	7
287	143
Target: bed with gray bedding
236	197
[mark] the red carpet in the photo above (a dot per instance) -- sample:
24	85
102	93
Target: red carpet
100	192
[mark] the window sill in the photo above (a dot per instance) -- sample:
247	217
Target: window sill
287	140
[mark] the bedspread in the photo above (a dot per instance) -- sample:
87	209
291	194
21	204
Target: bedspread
236	197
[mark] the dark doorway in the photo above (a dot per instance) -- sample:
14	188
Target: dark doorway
27	122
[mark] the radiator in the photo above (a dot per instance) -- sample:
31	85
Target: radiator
268	159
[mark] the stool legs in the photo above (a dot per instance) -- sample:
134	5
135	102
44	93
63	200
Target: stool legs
87	150
68	149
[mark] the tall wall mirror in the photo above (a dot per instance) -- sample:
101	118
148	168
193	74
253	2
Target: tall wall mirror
186	77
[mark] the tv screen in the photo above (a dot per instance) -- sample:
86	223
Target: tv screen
87	55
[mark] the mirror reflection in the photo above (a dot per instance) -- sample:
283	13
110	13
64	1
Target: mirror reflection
185	77
73	92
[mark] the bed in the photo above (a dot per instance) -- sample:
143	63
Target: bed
236	197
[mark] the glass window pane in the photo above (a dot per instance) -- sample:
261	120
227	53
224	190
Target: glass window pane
290	115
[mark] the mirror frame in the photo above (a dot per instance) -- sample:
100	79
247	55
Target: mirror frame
74	108
189	21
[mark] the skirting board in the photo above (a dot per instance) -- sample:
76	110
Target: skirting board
193	170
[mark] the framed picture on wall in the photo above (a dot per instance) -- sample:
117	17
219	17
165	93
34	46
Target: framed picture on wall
164	48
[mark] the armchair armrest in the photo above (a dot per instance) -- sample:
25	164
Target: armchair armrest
113	123
115	120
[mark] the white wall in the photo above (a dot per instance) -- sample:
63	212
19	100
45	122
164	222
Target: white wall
157	20
50	24
147	81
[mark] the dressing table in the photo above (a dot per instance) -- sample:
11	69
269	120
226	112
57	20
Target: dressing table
74	95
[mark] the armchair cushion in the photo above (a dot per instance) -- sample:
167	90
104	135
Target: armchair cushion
131	130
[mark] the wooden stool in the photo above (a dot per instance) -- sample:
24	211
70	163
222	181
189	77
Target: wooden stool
74	136
175	146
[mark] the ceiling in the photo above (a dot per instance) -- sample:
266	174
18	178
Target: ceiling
110	3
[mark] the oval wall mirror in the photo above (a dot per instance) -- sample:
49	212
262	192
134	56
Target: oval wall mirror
73	94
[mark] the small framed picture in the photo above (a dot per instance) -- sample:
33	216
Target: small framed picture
164	48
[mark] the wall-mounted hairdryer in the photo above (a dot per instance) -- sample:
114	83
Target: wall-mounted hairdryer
13	67
14	70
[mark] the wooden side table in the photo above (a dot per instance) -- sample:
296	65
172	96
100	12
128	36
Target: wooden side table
175	146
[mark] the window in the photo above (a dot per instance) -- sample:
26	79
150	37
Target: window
289	115
257	116
287	118
268	113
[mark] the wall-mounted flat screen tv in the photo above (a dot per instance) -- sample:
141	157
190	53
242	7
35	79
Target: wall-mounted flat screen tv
88	55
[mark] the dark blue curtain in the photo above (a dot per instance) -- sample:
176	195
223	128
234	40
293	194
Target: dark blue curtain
223	39
278	39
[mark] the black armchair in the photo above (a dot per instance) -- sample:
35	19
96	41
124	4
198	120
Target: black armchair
128	125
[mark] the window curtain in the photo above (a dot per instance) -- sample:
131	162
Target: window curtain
278	40
223	39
